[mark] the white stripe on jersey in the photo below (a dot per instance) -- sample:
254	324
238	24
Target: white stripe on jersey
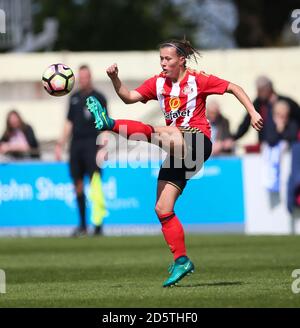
175	92
159	87
191	100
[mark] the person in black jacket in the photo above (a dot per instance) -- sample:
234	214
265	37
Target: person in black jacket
79	127
266	98
18	140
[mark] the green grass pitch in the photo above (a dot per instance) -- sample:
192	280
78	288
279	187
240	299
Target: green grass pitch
231	271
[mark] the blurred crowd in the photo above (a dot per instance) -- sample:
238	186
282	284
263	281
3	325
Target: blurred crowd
281	117
280	113
281	133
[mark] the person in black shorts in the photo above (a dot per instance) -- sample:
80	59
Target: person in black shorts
79	126
178	170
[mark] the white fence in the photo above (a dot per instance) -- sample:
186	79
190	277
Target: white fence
21	88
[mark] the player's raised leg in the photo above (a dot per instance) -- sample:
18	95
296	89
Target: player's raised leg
167	137
173	232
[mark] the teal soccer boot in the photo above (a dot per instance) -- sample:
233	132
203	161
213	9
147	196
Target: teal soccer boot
102	120
179	270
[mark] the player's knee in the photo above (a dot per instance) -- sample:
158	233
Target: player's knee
161	209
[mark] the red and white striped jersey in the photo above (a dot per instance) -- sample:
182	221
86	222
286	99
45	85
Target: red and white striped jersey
183	103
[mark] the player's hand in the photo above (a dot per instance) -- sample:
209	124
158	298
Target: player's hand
112	71
257	121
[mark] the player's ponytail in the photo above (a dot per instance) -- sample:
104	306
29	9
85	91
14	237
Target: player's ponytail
183	48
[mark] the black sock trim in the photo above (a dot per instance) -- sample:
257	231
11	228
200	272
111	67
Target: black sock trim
169	217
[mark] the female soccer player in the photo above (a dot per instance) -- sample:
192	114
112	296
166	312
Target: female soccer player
181	93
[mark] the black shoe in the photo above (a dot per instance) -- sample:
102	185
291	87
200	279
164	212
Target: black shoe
98	231
79	232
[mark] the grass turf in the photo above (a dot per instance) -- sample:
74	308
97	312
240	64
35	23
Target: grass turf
231	271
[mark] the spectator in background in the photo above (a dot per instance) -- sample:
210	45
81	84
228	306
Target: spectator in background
79	127
18	140
266	98
280	132
220	133
282	126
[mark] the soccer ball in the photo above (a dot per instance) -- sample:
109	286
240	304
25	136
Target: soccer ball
58	80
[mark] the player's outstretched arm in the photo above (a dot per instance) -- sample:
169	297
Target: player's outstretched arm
240	94
128	96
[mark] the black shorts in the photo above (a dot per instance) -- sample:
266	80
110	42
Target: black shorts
83	158
178	171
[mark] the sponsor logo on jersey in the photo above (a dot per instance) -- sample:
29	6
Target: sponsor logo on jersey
174	103
174	115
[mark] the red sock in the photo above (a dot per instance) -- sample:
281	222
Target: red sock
174	235
127	127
